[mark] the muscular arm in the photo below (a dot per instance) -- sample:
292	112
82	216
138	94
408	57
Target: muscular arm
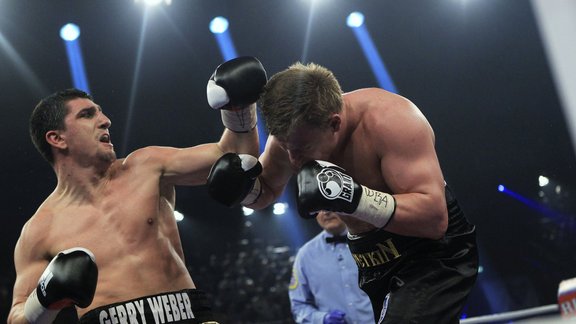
411	170
30	262
190	166
276	173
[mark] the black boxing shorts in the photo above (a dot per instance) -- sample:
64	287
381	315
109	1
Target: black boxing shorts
184	306
416	280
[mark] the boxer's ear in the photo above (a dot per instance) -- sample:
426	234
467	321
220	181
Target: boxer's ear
335	122
54	139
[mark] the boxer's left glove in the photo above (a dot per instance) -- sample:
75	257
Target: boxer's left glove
325	186
233	179
70	279
234	88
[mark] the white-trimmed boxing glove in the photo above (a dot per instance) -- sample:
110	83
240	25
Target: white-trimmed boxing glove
234	88
325	186
70	279
233	179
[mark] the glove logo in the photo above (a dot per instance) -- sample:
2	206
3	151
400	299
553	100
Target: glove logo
335	185
44	282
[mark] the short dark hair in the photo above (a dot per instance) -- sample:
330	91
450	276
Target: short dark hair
49	115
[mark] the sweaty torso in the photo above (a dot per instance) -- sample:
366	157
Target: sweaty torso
128	224
361	155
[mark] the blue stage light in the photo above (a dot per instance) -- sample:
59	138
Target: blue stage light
355	19
219	25
356	22
553	215
280	208
69	32
247	211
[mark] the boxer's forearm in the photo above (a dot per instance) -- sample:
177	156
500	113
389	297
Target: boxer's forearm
266	196
245	143
420	215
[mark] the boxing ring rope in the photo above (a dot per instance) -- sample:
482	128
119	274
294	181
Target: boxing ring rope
514	315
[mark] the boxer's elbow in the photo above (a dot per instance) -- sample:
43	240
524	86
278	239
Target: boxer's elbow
433	215
438	223
16	315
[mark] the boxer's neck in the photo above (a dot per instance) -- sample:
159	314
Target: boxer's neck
78	181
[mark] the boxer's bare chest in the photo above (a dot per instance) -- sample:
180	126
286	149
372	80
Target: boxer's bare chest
128	224
121	215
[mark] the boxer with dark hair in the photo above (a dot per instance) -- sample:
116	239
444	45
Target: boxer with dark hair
369	156
106	240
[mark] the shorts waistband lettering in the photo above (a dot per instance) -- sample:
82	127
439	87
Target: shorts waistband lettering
171	307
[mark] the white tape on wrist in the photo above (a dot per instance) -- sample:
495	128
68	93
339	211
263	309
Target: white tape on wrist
375	207
253	195
241	120
36	313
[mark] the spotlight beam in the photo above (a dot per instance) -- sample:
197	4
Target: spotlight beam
29	76
304	57
226	45
76	63
219	27
134	87
70	33
371	52
553	215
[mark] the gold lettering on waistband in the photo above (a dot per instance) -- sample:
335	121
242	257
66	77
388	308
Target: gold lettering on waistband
383	254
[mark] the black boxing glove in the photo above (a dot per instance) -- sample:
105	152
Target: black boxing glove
234	88
325	186
233	179
69	279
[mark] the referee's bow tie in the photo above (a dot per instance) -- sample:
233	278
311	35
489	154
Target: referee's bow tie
336	239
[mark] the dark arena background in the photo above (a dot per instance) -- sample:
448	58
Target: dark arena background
488	74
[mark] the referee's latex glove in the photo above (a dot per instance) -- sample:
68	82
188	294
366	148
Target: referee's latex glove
335	317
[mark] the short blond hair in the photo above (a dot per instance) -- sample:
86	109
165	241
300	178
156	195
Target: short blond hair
301	94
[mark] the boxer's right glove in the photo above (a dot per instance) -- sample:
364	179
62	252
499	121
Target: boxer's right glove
233	179
70	279
334	317
324	186
234	88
